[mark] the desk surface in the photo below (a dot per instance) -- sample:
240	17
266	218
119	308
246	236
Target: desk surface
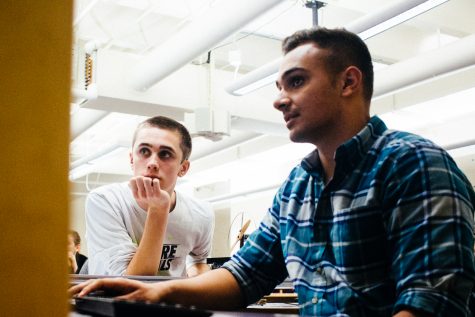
79	278
217	314
255	310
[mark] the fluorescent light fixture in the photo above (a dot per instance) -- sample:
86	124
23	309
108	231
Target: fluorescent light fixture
256	85
365	27
408	9
255	79
85	165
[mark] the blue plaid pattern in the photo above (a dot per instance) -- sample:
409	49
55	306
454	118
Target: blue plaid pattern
392	230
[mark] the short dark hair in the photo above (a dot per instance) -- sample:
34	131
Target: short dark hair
166	123
345	48
76	237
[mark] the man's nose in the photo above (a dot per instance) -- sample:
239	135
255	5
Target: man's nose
281	102
152	163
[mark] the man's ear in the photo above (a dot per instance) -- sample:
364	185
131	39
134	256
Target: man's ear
185	166
352	81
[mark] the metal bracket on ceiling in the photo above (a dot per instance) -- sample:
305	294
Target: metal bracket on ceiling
314	5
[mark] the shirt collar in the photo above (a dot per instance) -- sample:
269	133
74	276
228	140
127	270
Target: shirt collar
352	151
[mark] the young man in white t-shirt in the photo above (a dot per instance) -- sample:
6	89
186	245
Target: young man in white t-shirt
145	227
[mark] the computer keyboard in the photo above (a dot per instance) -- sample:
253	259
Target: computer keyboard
111	307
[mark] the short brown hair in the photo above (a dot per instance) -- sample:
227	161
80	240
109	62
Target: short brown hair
76	237
345	48
166	123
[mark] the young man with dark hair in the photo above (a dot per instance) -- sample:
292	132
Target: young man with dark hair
373	222
145	227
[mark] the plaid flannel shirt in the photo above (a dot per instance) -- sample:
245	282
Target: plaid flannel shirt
393	229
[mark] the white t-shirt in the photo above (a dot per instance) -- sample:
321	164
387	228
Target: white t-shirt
115	224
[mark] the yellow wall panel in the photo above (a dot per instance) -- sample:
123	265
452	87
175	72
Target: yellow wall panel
35	54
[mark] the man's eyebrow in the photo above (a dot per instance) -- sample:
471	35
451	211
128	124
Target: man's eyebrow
166	147
287	73
161	147
145	144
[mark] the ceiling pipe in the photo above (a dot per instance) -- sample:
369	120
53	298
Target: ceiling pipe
83	118
83	13
459	145
449	58
219	22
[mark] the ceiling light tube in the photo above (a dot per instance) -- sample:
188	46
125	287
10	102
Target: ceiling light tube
367	26
390	16
255	79
220	21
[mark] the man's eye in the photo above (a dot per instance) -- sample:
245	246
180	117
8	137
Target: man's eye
165	154
296	81
144	151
